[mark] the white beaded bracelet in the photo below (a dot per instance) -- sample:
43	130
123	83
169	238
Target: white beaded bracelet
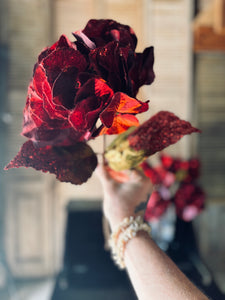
127	229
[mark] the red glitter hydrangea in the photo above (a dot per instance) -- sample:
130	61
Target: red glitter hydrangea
174	184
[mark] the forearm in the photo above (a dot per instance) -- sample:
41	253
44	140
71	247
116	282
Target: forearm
154	275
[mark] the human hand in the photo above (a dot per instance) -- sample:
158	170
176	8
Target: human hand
124	199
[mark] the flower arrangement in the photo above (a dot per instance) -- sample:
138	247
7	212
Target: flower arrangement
87	88
175	183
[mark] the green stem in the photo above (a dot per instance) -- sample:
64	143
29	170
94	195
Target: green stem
104	148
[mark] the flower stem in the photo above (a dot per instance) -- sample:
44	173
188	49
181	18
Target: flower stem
104	147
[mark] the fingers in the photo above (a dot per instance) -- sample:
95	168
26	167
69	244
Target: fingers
110	178
108	183
106	174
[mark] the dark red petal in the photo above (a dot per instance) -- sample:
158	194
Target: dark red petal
156	206
160	131
111	63
35	118
126	104
121	103
60	60
38	80
142	71
74	164
104	31
90	100
63	42
189	201
121	123
64	89
95	87
44	54
42	88
194	169
151	172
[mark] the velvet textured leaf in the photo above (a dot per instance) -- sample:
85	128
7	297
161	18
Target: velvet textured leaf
74	164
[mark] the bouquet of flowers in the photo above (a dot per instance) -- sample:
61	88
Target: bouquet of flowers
175	183
87	88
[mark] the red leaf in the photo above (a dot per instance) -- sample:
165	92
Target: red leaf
123	104
160	131
73	164
120	124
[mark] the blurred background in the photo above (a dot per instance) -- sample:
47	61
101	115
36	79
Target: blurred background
189	41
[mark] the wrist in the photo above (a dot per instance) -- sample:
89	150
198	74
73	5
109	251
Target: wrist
127	230
115	221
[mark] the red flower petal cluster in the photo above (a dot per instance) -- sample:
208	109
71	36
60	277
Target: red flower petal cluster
186	171
175	183
156	207
189	201
113	55
65	99
76	84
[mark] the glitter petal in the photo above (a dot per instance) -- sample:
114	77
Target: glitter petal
160	131
74	164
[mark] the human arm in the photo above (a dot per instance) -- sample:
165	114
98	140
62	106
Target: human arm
152	272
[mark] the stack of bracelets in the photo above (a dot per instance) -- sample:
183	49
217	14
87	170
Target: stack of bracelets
126	230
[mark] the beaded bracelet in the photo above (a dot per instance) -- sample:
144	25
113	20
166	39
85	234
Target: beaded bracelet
122	226
127	229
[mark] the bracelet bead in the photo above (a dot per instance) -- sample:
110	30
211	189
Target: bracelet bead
127	230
